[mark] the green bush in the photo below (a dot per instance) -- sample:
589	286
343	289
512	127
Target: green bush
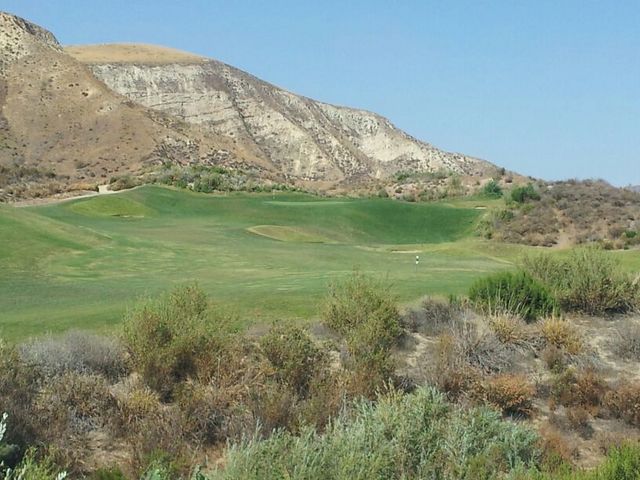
364	312
173	338
409	436
294	355
514	293
622	463
359	301
589	280
524	193
492	189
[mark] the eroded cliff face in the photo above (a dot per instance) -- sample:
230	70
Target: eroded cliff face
61	122
302	138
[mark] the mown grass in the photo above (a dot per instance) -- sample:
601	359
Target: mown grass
82	263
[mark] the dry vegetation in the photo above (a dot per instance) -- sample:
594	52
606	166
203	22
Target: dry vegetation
571	212
403	390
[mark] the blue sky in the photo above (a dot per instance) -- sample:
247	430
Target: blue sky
549	88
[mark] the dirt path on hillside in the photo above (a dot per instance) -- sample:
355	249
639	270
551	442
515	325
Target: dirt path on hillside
68	196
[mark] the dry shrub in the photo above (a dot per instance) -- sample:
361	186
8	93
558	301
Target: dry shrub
624	402
327	392
510	329
554	358
274	407
557	450
451	374
69	407
294	355
562	334
76	351
433	317
579	388
205	411
147	425
18	392
511	394
579	418
616	439
627	343
481	348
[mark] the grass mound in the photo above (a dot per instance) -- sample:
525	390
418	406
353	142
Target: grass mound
288	234
111	206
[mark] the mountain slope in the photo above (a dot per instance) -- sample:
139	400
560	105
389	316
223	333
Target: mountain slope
60	124
304	138
73	118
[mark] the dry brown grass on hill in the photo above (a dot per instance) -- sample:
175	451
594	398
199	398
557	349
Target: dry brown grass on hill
131	53
573	212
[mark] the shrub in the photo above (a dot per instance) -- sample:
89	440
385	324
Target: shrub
513	293
492	189
173	338
364	312
18	393
579	418
433	317
589	280
579	388
69	408
511	394
554	358
401	436
562	334
627	343
76	351
359	301
523	193
509	329
623	403
451	374
108	474
294	355
480	348
147	426
29	468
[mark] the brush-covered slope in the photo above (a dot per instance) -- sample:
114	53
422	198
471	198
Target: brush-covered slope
303	138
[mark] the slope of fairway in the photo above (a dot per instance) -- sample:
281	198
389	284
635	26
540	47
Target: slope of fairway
28	238
266	257
111	206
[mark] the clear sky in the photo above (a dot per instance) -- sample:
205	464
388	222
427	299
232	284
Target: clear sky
549	88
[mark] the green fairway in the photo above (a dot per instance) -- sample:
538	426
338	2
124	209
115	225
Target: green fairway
83	263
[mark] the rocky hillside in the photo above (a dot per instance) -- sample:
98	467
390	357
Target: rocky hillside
304	138
61	128
73	118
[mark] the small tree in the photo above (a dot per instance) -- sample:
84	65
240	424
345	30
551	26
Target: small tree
492	189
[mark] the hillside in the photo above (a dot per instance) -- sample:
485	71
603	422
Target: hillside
62	128
73	118
571	212
304	138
